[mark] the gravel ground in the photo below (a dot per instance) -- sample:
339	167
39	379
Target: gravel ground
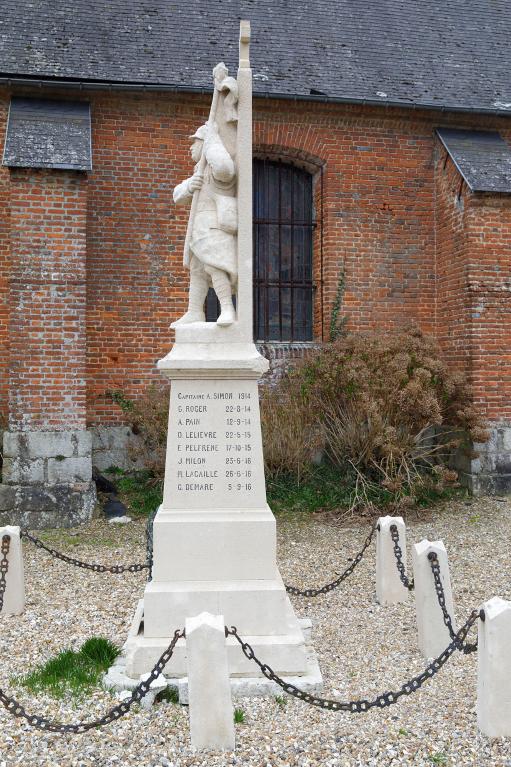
364	649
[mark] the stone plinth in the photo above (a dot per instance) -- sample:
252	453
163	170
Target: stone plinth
494	669
389	588
433	634
214	534
211	710
14	595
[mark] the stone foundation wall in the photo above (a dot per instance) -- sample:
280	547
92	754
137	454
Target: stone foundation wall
117	446
47	478
490	471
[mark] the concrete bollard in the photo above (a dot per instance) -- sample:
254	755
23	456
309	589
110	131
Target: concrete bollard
494	669
389	588
209	687
433	634
14	596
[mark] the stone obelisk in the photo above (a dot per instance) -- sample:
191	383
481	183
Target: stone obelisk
214	534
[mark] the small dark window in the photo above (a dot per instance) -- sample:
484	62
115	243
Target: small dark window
44	133
283	230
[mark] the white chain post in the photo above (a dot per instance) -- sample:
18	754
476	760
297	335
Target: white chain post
389	588
494	669
433	634
209	687
14	595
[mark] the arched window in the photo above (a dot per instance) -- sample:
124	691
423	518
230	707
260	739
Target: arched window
283	230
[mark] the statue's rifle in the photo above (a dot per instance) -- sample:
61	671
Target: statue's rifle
219	74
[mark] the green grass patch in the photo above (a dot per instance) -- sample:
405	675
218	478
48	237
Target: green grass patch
327	488
426	496
239	716
168	695
438	758
324	489
72	672
138	490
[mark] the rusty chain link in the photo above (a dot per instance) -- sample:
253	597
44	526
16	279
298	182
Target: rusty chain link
4	567
360	706
407	583
333	585
465	647
115	569
41	723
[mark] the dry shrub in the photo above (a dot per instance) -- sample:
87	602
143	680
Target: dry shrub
291	438
148	417
380	401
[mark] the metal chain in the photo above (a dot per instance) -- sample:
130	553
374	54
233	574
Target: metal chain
41	723
407	583
149	533
360	706
465	647
4	567
333	585
115	569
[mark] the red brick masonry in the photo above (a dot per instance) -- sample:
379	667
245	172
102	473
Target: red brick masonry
395	224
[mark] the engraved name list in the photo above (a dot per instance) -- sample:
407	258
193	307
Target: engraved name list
216	455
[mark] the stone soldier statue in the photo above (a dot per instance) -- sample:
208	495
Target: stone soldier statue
210	249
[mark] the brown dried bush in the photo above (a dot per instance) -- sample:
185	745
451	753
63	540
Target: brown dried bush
150	420
148	417
388	407
292	436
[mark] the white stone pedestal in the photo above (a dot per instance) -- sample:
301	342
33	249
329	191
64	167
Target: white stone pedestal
210	702
389	588
14	595
433	634
494	669
214	534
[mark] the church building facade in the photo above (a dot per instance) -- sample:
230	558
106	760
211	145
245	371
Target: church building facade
382	186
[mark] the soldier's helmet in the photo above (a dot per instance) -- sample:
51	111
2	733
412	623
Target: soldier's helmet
200	133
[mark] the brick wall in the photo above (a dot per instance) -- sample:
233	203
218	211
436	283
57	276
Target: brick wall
375	223
136	284
47	300
4	266
389	226
473	236
453	316
489	298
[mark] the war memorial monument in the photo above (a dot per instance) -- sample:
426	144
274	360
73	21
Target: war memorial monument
214	534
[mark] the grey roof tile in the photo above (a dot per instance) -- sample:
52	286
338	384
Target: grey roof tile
444	53
482	157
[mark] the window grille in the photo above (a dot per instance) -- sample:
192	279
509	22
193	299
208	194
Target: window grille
283	232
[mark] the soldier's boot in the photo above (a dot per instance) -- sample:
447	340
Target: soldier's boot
223	290
196	296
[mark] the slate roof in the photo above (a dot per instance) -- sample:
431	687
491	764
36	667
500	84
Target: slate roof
482	157
443	53
42	133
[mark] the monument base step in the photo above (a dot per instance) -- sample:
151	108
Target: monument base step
255	606
285	653
118	679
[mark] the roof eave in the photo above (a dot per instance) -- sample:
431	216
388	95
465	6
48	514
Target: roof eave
91	85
